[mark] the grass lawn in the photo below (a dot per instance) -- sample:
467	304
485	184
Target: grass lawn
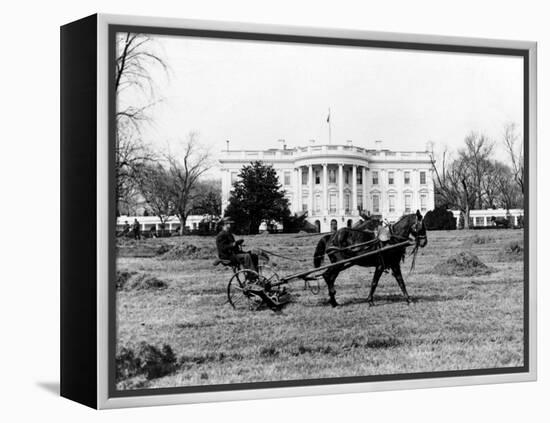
454	323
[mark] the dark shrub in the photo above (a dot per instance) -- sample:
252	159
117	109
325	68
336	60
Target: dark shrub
440	219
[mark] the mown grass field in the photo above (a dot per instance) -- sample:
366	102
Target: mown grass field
454	323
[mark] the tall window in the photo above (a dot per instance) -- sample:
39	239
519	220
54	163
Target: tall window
391	203
287	178
360	178
317	174
332	203
376	203
375	178
422	178
332	176
408	199
304	177
304	203
407	177
360	200
318	203
390	178
347	202
423	202
346	176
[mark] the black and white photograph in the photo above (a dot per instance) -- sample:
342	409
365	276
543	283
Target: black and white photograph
310	212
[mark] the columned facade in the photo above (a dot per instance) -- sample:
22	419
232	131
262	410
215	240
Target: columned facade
335	184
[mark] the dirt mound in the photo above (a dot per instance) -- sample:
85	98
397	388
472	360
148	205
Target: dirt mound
462	264
138	281
185	251
143	248
145	359
511	251
122	277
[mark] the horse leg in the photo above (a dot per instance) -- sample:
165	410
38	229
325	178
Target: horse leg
330	277
377	274
396	270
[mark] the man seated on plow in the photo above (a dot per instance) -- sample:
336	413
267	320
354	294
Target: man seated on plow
229	249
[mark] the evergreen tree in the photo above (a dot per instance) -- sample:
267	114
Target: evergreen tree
256	196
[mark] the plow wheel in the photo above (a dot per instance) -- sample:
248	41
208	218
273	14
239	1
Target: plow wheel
241	288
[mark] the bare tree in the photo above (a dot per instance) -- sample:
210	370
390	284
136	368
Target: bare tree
476	156
185	174
514	147
136	61
155	185
508	192
456	182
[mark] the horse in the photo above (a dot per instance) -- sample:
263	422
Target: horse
337	247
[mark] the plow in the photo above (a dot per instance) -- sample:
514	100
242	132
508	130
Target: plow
248	289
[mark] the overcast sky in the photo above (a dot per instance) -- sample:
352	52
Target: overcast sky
255	93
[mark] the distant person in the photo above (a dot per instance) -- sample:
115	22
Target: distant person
137	229
125	229
229	249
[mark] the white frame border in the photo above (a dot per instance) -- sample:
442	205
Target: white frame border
103	401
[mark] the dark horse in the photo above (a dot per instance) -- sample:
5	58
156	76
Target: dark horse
337	244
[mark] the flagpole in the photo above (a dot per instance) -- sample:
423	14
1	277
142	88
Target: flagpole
329	128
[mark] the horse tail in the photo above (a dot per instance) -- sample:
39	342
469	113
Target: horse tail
320	250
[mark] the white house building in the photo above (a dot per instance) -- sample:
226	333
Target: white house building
333	183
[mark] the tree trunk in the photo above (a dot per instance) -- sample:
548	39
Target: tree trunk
467	218
183	221
254	226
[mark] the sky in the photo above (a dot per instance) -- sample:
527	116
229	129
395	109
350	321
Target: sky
256	93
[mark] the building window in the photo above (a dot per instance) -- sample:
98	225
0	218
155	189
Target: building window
480	221
408	199
304	203
375	178
287	178
407	177
346	176
391	203
317	174
359	200
318	203
390	178
233	177
360	178
423	202
422	178
332	176
332	203
376	204
304	177
347	201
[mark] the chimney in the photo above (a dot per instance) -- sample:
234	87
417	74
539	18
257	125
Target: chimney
227	142
283	142
378	144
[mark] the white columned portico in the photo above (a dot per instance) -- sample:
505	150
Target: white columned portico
354	190
341	188
325	189
364	171
310	194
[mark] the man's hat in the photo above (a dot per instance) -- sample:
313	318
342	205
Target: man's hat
227	220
